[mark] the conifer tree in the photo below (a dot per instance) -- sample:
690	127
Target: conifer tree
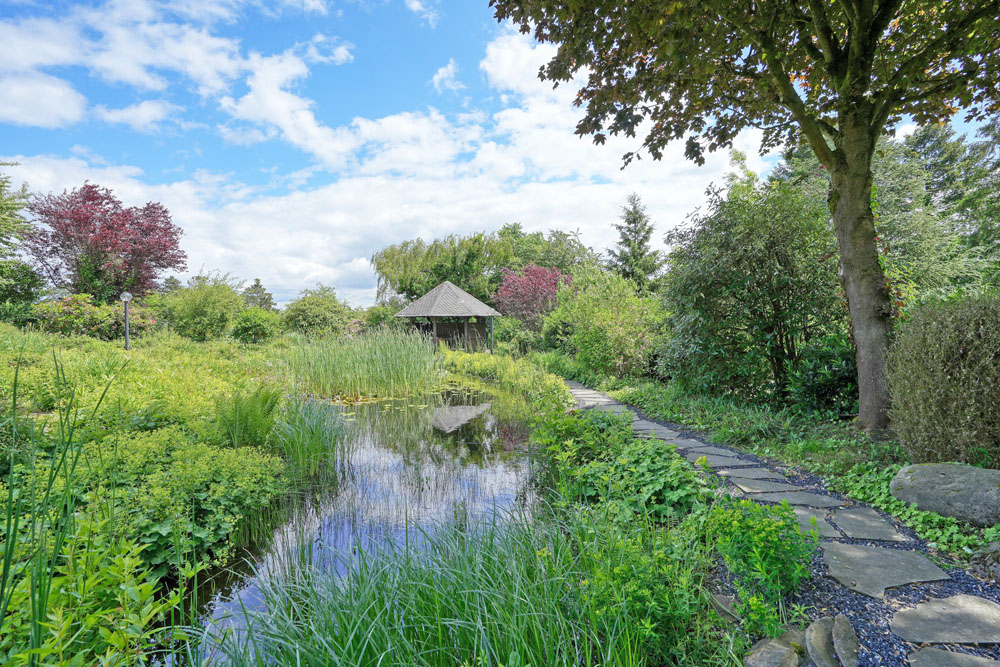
632	257
256	296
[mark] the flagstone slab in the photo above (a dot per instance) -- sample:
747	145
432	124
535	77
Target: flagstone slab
960	619
804	516
708	449
864	523
687	443
753	473
935	657
799	498
871	570
762	485
715	461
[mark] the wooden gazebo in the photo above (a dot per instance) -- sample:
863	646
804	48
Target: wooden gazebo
449	310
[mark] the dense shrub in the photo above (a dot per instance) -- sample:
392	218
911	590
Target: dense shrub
256	325
512	337
604	322
944	371
825	377
317	312
19	284
750	283
203	310
77	315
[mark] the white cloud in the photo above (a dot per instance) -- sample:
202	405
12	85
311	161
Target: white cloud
271	104
423	9
39	100
407	174
444	79
324	49
145	116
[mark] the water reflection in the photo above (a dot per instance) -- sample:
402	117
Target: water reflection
411	465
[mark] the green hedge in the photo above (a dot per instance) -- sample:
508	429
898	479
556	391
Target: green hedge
944	371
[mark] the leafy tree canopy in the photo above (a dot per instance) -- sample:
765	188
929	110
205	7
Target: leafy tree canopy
837	71
751	281
413	268
557	249
88	242
12	222
633	258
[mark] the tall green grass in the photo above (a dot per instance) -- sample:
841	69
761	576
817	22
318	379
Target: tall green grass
380	364
514	593
313	437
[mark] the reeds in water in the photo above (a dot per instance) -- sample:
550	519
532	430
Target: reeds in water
379	364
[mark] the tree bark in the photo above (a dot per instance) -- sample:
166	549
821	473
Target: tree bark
860	272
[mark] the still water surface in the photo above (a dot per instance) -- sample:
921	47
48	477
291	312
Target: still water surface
410	466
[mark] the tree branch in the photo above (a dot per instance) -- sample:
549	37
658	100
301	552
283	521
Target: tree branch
811	126
933	48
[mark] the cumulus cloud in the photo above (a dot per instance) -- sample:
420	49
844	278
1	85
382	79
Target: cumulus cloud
144	116
445	78
424	10
39	100
417	172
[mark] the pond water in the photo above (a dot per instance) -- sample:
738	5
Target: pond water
410	466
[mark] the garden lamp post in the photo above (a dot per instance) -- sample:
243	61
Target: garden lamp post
126	297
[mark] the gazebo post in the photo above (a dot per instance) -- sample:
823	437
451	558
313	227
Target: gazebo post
467	334
434	329
491	332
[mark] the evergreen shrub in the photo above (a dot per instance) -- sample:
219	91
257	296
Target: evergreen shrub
944	374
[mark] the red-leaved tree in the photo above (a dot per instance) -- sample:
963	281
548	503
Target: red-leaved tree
530	294
88	242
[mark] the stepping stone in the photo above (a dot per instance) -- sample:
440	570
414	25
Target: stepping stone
960	619
708	449
864	523
822	528
871	570
616	408
845	641
780	652
799	498
935	657
715	461
762	485
819	643
752	473
683	443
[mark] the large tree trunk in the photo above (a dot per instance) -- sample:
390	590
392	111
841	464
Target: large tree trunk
861	273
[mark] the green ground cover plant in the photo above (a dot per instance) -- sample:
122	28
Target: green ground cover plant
766	553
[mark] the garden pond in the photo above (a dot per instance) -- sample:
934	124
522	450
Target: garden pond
407	467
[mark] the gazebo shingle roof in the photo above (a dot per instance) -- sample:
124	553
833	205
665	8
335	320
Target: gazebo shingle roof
447	300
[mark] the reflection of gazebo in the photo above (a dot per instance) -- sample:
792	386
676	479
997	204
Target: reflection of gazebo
449	302
453	417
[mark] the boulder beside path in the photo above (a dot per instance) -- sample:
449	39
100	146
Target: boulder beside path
957	490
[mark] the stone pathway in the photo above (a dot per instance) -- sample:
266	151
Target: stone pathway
885	587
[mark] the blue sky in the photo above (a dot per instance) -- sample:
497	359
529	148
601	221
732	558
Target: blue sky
291	139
